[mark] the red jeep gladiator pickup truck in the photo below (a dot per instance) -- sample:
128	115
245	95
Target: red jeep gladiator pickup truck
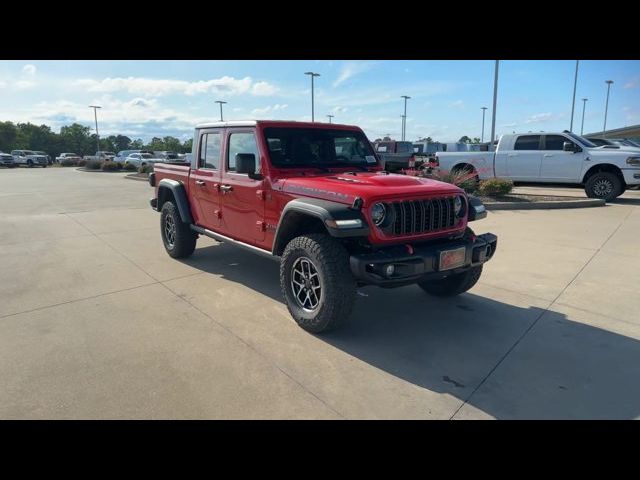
314	196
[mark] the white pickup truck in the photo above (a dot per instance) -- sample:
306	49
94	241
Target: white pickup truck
552	158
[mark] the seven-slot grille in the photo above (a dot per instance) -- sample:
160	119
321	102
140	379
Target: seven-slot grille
423	216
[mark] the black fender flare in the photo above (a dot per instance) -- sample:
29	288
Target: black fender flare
477	210
167	185
324	210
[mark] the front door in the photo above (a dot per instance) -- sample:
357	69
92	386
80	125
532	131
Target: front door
204	181
523	162
558	164
242	198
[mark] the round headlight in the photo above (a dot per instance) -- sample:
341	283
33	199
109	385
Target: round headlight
378	212
457	206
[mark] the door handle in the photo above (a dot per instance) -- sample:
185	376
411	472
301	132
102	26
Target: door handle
226	188
200	182
512	155
548	154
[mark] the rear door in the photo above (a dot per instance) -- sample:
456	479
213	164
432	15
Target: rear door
558	164
204	181
242	198
523	162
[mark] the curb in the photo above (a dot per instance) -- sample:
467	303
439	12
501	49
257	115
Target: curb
139	179
82	169
546	205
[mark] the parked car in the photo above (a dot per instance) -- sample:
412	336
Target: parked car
142	159
29	158
166	155
612	142
6	160
330	215
552	158
67	156
101	155
44	154
395	156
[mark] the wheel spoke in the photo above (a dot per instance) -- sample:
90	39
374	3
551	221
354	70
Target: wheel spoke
305	284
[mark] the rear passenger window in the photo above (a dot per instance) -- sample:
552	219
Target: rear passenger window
209	151
554	142
527	142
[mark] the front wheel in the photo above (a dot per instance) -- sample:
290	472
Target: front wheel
454	284
178	238
605	185
316	282
29	163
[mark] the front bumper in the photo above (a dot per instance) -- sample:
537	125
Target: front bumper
631	176
422	264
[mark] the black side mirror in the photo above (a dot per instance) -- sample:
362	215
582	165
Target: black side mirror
568	147
246	163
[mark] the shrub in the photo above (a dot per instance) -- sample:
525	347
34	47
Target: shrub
465	180
68	162
119	165
495	187
109	166
93	165
81	163
145	169
130	167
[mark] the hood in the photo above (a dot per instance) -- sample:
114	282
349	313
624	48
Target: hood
622	151
345	187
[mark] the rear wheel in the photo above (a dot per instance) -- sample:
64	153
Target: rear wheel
30	163
605	185
316	282
468	177
178	238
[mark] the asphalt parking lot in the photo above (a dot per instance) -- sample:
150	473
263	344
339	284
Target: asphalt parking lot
96	321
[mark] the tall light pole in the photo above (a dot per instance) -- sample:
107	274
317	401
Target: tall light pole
330	117
95	115
404	117
584	105
606	108
573	102
312	75
495	101
484	110
220	102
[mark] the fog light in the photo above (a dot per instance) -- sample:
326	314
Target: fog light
389	270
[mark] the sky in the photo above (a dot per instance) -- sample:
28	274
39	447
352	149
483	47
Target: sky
143	99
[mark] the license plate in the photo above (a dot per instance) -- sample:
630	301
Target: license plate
452	258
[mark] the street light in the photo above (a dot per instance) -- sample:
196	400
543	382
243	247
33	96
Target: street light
484	110
220	102
330	117
573	102
606	108
312	75
404	117
495	101
584	105
95	114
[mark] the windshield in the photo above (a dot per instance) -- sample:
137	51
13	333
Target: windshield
582	140
313	147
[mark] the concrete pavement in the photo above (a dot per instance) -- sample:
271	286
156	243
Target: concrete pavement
96	321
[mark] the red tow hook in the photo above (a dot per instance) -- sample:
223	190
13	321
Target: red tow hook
409	249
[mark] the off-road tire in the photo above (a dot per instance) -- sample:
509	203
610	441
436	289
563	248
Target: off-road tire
30	163
595	183
338	289
184	239
454	284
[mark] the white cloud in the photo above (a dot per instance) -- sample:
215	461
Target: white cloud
261	112
29	70
634	83
263	89
158	87
24	84
457	104
509	125
339	109
351	69
540	117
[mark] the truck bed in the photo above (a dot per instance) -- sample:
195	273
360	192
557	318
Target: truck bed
481	161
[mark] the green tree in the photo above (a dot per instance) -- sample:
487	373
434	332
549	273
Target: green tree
137	144
476	140
464	139
75	138
187	146
8	136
